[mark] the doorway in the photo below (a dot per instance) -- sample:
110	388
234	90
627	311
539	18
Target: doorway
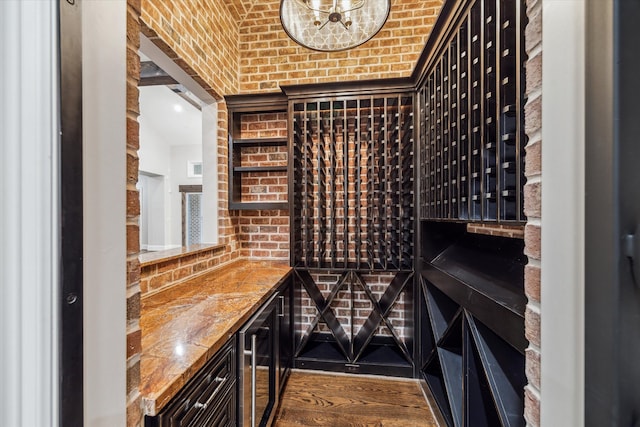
612	183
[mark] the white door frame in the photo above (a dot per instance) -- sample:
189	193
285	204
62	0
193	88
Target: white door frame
29	217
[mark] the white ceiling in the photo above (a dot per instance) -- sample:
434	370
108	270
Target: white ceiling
158	106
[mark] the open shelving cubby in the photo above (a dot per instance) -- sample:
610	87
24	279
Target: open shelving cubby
258	151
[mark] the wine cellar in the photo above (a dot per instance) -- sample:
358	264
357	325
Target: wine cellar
385	180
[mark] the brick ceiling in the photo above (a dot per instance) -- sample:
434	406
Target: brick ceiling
239	8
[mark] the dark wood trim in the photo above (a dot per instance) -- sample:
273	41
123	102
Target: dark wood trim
343	89
268	206
157	81
190	188
70	305
258	102
451	11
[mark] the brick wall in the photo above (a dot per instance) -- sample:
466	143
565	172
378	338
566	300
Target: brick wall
264	186
268	57
511	231
156	276
532	206
354	300
200	36
134	335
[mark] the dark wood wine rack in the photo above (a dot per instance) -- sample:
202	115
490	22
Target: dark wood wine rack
470	103
359	350
352	193
473	344
353	184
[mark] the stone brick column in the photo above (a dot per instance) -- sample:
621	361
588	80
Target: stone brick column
134	335
532	207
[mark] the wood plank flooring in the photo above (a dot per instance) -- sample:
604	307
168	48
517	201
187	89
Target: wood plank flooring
338	400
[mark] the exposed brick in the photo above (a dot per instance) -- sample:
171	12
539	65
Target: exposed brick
133	307
531	408
133	134
379	58
133	271
134	343
532	282
133	239
133	377
132	99
533	115
533	159
533	200
533	31
532	241
532	326
160	281
514	232
534	71
533	367
133	203
132	168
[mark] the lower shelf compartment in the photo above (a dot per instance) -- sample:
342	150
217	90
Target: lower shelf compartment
382	356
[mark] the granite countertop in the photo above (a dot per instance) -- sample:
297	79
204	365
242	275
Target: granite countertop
184	326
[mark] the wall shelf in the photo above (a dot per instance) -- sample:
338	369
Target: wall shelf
258	152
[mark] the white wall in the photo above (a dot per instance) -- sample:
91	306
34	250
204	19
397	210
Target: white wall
562	281
180	155
210	173
28	214
104	163
168	138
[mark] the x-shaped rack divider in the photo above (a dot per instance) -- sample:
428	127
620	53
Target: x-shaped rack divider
353	348
325	312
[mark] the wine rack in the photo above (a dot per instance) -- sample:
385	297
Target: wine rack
353	188
378	344
470	103
472	317
352	218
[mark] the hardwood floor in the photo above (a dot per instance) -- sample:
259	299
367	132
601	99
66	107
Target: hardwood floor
338	400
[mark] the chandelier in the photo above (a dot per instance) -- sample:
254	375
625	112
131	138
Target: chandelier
333	25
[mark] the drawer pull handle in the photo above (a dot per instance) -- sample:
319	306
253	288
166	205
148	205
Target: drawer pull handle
203	406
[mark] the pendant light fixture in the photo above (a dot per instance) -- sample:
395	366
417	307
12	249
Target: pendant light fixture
333	25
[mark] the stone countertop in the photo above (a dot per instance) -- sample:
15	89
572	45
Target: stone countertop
184	326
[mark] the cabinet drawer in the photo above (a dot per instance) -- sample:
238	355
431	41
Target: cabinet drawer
203	395
224	414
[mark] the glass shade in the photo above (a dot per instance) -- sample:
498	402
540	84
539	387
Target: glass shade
333	25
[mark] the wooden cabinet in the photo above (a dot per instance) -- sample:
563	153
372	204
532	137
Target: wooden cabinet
258	154
209	398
